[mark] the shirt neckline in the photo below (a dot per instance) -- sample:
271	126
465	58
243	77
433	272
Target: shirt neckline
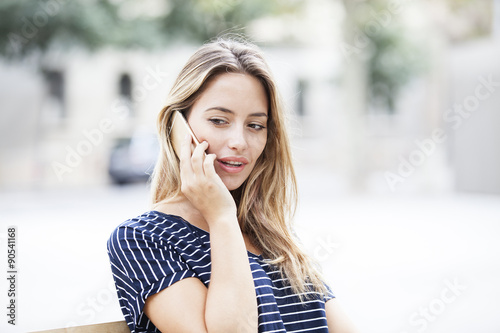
259	256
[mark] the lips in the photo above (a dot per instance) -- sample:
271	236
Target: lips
232	164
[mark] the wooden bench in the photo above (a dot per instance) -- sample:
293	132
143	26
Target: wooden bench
114	327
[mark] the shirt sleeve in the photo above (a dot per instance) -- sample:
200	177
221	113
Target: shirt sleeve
142	266
329	294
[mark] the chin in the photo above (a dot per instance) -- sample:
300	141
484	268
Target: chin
233	184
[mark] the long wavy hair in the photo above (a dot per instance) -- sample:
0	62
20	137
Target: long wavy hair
267	200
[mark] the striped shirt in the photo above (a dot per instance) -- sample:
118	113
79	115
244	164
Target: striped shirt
154	250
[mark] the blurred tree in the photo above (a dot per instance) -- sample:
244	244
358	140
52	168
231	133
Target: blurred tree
393	62
374	33
28	26
200	20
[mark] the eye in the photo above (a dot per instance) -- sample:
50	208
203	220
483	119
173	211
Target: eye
257	127
217	121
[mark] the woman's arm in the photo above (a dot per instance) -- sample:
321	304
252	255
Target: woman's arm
180	308
337	320
187	306
231	298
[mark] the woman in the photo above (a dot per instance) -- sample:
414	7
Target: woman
217	253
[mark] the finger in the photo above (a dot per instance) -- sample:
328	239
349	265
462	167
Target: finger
198	157
208	165
185	155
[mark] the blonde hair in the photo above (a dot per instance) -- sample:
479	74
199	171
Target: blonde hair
267	200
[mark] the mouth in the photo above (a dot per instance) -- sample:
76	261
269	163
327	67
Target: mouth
232	165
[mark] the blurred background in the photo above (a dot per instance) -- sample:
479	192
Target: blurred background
395	124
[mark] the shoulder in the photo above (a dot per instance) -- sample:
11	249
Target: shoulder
152	222
152	225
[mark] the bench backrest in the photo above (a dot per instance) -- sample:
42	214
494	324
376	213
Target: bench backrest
114	327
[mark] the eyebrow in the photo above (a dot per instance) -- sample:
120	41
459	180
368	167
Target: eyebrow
223	109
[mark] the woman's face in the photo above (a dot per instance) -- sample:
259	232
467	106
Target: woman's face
231	115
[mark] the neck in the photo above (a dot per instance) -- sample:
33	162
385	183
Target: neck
181	206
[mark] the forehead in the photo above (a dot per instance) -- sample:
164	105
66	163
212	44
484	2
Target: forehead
234	91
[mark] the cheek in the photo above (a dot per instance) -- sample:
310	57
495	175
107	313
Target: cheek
212	139
259	145
202	133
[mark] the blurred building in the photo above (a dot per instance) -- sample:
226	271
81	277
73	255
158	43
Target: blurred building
63	120
474	125
62	117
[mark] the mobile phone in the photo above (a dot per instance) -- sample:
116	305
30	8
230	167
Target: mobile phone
178	131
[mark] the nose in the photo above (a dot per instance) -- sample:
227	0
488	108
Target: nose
237	139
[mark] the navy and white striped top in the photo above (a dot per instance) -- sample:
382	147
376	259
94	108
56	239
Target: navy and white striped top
154	250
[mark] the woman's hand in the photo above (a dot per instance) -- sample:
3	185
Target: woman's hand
202	185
